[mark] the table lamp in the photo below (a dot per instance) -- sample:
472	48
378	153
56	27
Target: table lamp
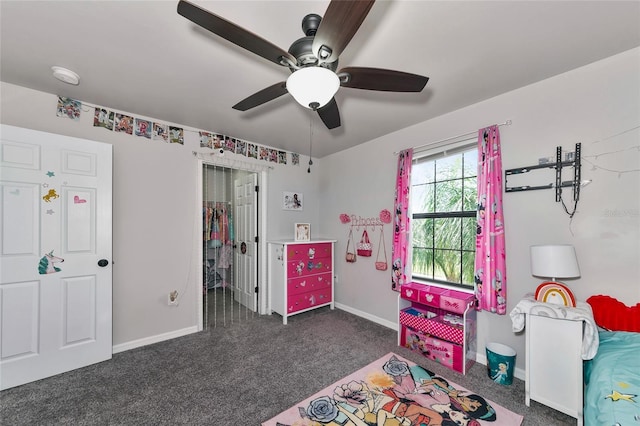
554	261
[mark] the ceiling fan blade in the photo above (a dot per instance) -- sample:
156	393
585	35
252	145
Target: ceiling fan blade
235	34
381	79
338	26
330	115
263	96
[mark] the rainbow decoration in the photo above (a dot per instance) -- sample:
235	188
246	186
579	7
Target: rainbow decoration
556	293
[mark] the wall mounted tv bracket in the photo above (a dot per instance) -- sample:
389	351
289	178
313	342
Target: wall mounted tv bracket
558	166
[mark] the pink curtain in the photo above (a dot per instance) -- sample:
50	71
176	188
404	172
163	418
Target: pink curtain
401	221
490	264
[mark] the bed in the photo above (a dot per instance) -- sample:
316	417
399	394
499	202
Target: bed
612	377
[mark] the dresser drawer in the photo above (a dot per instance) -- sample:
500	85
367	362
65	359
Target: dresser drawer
300	302
309	283
304	268
308	251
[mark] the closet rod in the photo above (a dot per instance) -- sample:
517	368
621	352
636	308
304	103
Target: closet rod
506	123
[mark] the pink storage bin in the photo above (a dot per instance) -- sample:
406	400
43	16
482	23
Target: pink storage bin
449	300
421	293
436	322
409	292
445	353
456	302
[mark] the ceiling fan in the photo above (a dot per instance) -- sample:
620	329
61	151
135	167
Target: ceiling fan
312	59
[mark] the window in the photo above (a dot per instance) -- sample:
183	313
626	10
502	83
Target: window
443	205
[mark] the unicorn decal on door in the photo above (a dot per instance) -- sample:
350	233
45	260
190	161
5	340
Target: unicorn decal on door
51	195
46	265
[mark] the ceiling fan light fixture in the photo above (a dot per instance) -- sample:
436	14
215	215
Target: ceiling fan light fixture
313	87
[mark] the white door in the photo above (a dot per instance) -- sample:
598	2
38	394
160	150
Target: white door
55	254
245	252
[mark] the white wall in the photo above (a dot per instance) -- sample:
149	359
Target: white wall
587	105
155	242
154	200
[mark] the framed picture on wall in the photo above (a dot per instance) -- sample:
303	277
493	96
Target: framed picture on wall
292	201
302	232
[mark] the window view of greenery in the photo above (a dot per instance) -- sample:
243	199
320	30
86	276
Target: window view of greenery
443	203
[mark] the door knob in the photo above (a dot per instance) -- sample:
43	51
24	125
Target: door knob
103	262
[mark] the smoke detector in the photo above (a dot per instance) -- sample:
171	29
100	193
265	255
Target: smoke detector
66	75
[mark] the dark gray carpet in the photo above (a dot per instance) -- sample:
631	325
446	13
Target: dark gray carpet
240	374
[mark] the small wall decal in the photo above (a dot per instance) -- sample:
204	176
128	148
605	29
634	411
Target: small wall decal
68	108
176	135
292	201
50	174
143	128
51	195
385	216
50	212
103	118
124	123
160	132
78	200
356	220
46	265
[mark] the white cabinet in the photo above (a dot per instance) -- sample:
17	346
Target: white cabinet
554	375
300	276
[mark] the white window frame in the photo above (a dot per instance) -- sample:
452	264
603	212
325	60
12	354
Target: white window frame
433	154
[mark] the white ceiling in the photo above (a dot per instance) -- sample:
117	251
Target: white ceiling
144	58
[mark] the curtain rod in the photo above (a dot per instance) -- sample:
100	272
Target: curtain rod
506	123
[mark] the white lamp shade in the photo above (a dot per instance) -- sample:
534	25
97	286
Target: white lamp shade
313	85
554	261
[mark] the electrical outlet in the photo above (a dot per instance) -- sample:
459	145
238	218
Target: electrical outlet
173	298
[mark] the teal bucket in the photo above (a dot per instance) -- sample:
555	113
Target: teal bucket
501	360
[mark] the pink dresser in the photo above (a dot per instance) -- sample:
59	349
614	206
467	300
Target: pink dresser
438	323
300	276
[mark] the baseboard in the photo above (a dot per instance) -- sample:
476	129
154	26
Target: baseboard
153	339
365	315
480	358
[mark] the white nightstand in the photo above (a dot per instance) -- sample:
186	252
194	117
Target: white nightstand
555	350
553	364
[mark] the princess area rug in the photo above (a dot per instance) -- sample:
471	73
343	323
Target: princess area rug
394	391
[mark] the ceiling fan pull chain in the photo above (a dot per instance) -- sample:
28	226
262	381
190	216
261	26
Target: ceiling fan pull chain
310	139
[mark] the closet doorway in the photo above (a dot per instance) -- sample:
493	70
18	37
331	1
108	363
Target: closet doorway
230	250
